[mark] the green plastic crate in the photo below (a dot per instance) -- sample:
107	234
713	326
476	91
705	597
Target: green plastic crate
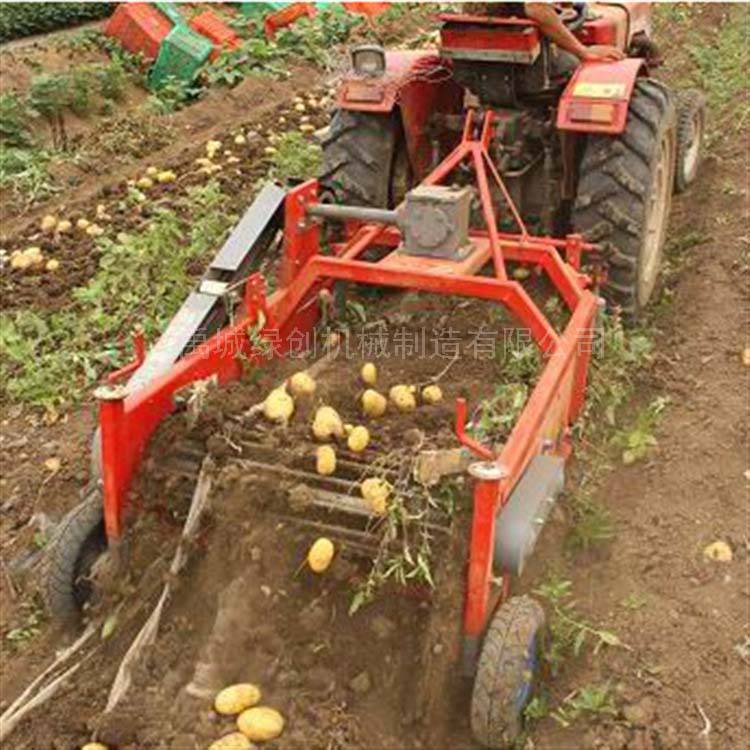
181	55
259	11
172	12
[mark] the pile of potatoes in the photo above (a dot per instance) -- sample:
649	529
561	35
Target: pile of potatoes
328	426
255	723
33	257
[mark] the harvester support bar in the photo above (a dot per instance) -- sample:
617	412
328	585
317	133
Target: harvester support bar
551	407
509	293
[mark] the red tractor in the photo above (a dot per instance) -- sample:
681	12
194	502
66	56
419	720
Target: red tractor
595	150
445	172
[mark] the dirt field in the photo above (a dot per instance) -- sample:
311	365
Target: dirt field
247	609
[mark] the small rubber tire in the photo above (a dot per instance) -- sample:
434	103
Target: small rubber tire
506	672
624	195
691	127
78	542
364	160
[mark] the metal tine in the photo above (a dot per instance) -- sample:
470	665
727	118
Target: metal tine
360	540
345	463
309	476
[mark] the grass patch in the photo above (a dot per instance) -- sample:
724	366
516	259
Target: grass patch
296	157
52	359
716	61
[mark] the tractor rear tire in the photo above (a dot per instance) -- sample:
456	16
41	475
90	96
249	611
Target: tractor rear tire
624	195
506	671
691	125
364	160
76	546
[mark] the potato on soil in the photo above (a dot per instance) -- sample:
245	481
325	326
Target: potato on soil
718	551
358	439
402	397
320	555
327	424
48	224
64	226
234	699
94	746
166	177
376	492
374	404
432	394
233	741
279	405
19	261
33	256
144	183
83	224
261	724
301	384
369	373
325	460
52	264
152	171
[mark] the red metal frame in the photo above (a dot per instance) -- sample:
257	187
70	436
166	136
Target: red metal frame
128	419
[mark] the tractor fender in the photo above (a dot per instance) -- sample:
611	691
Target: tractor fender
418	84
597	96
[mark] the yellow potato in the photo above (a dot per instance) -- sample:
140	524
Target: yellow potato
402	397
236	698
431	394
144	183
19	261
358	439
240	140
83	224
369	373
152	171
307	128
261	724
279	405
52	265
376	492
233	741
718	551
48	223
269	150
300	107
325	460
320	555
374	404
94	230
94	746
166	176
327	424
301	384
64	226
34	255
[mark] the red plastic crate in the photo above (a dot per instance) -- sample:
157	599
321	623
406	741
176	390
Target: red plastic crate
139	28
208	24
286	17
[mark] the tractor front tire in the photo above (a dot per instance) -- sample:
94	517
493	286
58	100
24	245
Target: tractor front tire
506	671
69	560
624	195
364	160
691	125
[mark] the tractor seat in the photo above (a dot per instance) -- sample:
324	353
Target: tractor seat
490	39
